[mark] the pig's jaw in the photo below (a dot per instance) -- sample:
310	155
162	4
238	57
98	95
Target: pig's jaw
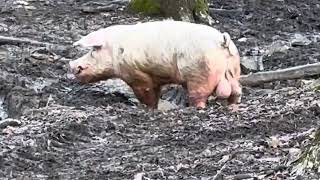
95	72
92	76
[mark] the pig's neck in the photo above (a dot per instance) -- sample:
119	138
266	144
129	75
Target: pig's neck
106	68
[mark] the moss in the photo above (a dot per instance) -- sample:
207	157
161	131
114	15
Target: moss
148	7
201	14
201	6
185	10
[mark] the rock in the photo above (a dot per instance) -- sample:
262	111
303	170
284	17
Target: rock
243	39
165	105
3	54
9	122
312	84
21	3
39	56
252	63
30	7
175	94
300	40
3	112
3	27
277	46
139	176
19	100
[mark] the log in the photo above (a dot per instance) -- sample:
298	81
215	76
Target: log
18	41
283	74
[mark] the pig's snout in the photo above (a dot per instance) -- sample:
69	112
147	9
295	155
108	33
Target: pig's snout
77	68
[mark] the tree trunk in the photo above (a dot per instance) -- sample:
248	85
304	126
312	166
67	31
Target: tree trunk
182	10
309	159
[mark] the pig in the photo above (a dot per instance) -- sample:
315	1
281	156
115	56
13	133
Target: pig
150	55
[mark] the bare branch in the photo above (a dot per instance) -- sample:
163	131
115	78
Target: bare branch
18	41
283	74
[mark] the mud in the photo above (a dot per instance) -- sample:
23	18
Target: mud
57	128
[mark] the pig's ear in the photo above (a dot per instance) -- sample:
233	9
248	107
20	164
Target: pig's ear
94	39
229	44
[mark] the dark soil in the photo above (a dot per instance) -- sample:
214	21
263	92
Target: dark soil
52	127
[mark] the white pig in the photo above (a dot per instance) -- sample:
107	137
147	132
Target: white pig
149	55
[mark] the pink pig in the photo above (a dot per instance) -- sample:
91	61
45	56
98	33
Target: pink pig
149	55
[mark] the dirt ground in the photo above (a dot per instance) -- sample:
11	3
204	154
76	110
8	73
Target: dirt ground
60	129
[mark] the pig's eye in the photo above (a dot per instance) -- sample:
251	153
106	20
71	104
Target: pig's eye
93	52
95	48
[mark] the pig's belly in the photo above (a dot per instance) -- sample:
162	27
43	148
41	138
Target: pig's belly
170	68
161	71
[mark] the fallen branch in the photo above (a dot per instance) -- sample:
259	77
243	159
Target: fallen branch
283	74
225	10
96	7
18	41
107	8
214	11
240	177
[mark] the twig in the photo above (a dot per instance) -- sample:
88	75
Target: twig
225	162
214	11
217	176
240	176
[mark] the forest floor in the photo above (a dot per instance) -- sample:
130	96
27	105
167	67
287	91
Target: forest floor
53	127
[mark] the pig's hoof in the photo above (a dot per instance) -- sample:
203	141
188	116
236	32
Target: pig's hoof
233	107
201	105
222	101
234	99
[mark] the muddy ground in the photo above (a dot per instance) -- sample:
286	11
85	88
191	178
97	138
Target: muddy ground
55	128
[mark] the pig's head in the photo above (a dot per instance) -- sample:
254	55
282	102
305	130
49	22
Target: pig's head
97	63
233	71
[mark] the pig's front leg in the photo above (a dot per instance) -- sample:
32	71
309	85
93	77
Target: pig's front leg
199	91
145	90
236	93
146	94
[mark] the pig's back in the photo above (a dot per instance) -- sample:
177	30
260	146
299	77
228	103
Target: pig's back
172	34
163	44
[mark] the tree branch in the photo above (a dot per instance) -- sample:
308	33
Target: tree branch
283	74
17	41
